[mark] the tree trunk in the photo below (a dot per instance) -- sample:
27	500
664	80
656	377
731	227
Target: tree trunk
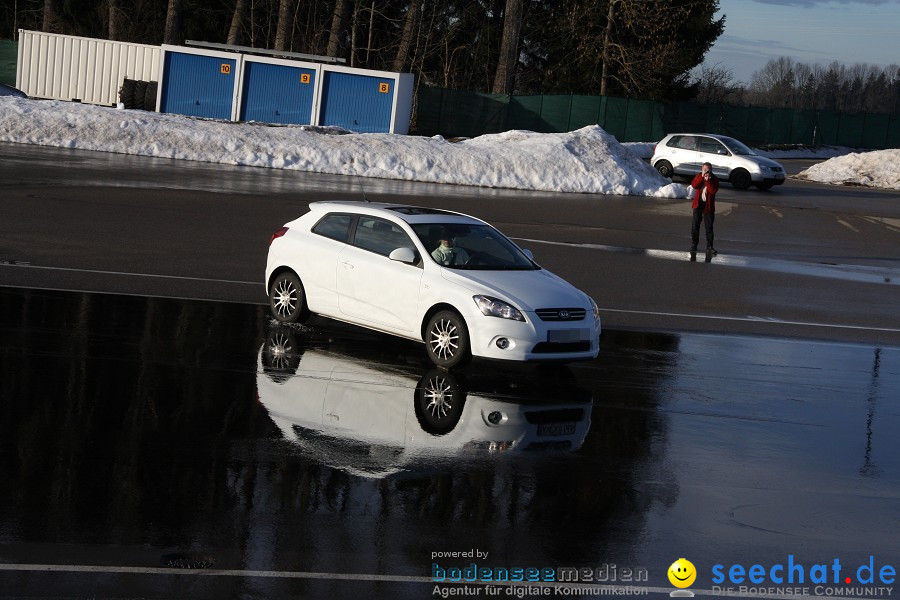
113	32
604	74
509	47
353	22
51	18
409	28
338	23
173	34
234	32
371	32
283	28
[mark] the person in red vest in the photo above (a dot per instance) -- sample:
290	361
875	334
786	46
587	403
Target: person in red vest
705	185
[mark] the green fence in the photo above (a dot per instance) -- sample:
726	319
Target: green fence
456	113
8	52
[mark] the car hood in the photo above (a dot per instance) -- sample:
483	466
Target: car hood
526	290
762	161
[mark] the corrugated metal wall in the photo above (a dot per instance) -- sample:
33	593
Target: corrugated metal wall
63	67
278	93
357	102
198	85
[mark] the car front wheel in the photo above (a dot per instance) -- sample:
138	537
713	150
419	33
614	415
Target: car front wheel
286	298
740	179
447	339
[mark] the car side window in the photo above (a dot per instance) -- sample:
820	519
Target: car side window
686	142
380	236
711	146
334	226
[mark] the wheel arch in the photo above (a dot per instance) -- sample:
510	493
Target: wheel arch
276	273
436	308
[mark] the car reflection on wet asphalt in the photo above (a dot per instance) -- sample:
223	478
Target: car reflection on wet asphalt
374	420
141	434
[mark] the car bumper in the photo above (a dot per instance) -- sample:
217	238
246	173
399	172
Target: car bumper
768	179
534	340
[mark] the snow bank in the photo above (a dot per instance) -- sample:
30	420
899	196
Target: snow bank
880	168
588	160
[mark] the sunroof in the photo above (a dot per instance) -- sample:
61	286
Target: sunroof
418	210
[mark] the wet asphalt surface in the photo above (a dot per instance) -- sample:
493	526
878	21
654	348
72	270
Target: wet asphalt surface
138	434
170	447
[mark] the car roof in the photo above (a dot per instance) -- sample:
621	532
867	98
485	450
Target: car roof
718	136
405	212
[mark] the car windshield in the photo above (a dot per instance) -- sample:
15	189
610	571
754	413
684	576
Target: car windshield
471	247
737	147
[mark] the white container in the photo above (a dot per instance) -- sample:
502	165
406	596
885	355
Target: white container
66	67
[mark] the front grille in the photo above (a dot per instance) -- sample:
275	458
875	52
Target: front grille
560	314
560	347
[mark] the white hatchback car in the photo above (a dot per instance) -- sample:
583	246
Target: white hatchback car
685	153
446	279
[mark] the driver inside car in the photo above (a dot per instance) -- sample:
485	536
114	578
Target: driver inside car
447	253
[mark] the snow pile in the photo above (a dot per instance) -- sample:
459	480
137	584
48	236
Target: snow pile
588	160
880	168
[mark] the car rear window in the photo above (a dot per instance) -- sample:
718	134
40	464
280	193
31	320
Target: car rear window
334	226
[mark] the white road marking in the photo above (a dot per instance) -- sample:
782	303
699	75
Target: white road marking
126	274
654	253
847	272
751	320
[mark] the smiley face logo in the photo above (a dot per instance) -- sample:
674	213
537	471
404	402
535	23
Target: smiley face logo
682	573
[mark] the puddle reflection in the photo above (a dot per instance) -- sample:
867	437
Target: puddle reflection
373	419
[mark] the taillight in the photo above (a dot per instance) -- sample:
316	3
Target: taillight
277	234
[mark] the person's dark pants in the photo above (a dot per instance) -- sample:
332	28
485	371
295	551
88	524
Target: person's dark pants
708	220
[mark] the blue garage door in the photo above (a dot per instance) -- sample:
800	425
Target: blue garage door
198	86
357	102
277	93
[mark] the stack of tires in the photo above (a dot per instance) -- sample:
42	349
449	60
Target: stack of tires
138	94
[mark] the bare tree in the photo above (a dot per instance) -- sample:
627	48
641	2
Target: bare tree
338	27
406	37
173	33
114	17
234	31
714	84
52	22
604	74
509	47
283	28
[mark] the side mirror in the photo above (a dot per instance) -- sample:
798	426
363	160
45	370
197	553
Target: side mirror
528	253
404	255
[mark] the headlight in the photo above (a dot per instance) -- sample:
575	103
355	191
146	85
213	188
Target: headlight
497	308
595	309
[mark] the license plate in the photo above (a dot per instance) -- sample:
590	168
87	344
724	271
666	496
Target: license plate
567	335
554	429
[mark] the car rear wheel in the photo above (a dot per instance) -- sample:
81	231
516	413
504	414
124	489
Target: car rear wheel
447	340
286	298
740	179
665	168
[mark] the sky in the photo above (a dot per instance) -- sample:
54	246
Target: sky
587	160
809	31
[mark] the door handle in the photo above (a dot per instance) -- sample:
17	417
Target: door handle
347	265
